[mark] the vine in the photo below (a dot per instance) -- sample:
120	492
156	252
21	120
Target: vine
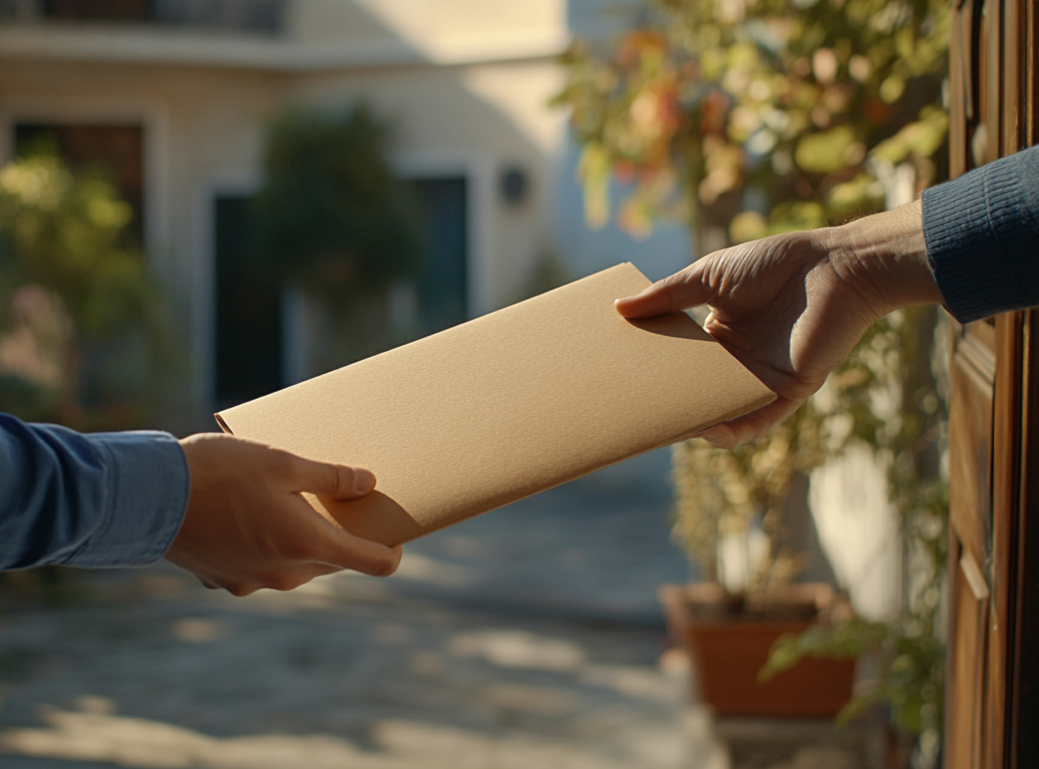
744	118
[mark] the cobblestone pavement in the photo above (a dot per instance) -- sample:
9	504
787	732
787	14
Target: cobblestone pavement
527	638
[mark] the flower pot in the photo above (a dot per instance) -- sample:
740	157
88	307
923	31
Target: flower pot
729	642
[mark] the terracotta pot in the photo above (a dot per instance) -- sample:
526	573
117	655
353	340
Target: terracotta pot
729	643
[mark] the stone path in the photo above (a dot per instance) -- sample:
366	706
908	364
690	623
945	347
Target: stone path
527	638
530	637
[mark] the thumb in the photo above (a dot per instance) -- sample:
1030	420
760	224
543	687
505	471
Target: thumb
678	292
331	480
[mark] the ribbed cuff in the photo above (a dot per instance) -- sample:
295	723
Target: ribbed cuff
147	501
982	237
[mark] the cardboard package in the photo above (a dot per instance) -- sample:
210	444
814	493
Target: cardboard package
505	406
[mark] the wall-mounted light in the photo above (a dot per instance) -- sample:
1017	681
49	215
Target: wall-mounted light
514	185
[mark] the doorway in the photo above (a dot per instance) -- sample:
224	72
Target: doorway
442	286
248	311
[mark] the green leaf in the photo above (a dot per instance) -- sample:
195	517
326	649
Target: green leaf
824	152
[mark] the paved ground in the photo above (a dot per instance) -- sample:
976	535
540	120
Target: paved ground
526	638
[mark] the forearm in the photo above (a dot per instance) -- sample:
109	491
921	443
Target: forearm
885	257
971	244
99	500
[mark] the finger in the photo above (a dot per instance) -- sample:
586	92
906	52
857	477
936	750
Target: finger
235	586
346	551
337	481
682	290
749	427
286	581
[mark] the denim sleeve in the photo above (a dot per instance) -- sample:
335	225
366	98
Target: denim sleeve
982	234
89	500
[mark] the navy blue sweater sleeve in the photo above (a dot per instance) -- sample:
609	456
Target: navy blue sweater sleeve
982	234
100	500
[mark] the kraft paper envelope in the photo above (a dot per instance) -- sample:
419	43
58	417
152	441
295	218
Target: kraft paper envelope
505	406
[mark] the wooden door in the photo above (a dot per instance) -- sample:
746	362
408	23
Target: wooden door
992	699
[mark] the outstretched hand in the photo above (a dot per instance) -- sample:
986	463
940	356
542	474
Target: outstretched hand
248	526
791	307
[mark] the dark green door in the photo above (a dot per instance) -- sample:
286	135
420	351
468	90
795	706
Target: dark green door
443	283
248	312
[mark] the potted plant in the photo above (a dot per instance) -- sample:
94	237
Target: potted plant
743	119
729	638
729	507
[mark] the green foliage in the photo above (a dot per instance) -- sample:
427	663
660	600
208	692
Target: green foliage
725	492
331	215
843	641
75	297
722	491
910	678
549	273
64	232
795	99
29	400
754	117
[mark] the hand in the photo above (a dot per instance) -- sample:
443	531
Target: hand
791	307
247	525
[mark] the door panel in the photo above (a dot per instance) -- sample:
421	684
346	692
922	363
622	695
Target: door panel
992	700
970	439
970	526
967	669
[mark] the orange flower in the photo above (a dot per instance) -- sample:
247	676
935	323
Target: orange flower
636	44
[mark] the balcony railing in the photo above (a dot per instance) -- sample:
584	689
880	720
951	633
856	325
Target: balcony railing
257	16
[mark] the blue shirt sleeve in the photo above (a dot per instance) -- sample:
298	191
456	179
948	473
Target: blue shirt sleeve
982	233
89	500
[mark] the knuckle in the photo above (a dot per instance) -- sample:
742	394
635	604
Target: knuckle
240	589
299	550
284	464
341	480
672	290
285	583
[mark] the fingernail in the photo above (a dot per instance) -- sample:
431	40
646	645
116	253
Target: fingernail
364	481
620	304
629	297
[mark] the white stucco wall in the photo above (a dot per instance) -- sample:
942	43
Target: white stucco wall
203	100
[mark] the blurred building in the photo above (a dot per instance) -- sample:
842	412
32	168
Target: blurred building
173	96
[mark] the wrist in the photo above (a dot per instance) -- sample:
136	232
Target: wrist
883	258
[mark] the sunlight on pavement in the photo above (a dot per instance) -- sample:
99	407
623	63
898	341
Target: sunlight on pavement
518	649
198	631
431	570
397	745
